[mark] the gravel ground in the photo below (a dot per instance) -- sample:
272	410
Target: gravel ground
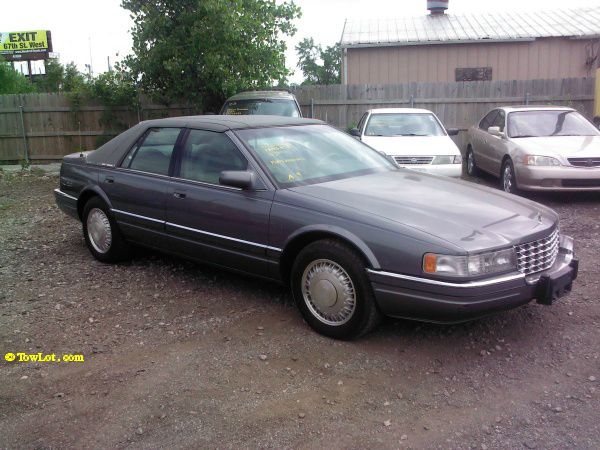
180	355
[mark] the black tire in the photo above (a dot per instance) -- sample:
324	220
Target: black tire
472	169
327	257
118	249
509	186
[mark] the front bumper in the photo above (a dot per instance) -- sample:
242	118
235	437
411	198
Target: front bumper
450	302
557	178
447	170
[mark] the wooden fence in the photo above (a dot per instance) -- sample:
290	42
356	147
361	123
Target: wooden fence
458	105
46	126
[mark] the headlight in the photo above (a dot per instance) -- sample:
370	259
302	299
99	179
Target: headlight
540	161
472	265
447	159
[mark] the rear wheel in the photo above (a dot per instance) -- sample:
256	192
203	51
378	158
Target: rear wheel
102	235
508	178
331	288
472	169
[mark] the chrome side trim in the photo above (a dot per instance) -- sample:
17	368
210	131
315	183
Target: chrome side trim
207	233
469	284
59	192
137	216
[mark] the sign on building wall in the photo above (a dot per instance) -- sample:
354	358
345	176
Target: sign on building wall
25	45
474	74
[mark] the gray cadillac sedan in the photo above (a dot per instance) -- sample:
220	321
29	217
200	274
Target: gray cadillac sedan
296	201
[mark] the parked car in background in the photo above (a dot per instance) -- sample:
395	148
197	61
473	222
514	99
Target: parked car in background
269	103
414	138
536	148
299	202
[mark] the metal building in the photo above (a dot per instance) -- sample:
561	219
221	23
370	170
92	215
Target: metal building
443	47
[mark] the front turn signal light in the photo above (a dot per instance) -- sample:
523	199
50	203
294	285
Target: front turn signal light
430	263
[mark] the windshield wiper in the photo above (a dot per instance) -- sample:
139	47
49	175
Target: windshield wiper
412	134
523	136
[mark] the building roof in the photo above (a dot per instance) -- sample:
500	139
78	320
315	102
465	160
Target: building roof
451	28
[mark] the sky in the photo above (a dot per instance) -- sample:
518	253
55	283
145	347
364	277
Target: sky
87	31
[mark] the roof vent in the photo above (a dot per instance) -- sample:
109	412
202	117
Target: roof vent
437	6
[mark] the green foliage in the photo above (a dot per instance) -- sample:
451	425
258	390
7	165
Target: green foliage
53	80
202	51
12	82
73	79
319	66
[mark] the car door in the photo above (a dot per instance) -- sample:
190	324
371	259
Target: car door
481	142
137	188
215	223
497	145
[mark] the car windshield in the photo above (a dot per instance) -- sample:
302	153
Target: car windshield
312	154
544	123
405	124
264	106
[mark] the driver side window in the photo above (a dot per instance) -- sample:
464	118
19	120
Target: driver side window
206	154
487	121
499	121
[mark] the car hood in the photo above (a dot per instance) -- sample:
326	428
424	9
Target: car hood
412	145
470	217
567	146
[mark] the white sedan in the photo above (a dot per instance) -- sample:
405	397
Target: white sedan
414	138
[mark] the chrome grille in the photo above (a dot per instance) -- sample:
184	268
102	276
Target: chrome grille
537	255
585	162
412	160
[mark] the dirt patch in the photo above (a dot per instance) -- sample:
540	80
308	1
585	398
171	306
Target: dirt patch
180	355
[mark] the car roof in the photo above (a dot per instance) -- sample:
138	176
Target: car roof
114	150
250	95
230	122
535	108
399	111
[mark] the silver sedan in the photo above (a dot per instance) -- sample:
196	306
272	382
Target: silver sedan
536	148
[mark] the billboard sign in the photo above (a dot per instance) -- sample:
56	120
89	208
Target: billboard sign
25	45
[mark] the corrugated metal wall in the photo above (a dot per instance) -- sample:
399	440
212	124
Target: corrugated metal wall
540	59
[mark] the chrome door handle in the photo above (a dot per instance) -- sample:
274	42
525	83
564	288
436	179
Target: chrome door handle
109	179
179	195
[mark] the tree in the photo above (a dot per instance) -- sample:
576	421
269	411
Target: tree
73	79
12	82
203	51
319	66
53	80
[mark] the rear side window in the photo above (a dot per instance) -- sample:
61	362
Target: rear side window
487	121
206	154
153	152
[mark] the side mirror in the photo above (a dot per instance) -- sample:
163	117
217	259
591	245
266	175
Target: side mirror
495	131
355	132
452	131
241	179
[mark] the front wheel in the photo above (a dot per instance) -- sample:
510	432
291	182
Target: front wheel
472	169
102	234
509	179
331	288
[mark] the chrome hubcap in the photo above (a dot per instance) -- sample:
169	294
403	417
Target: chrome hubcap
99	231
328	292
508	179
